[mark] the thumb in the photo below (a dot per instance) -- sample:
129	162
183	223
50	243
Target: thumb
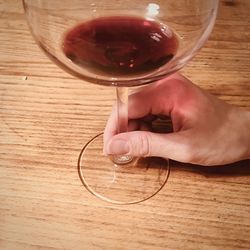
174	146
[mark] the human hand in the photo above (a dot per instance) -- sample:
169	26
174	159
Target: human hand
206	130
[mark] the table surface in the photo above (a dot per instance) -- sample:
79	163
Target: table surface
46	118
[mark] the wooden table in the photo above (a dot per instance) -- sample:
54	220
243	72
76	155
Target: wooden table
46	118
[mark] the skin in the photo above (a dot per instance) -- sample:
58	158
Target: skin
206	130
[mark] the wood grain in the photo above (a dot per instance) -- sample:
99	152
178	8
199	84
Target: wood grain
46	118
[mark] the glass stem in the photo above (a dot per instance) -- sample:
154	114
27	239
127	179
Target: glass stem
122	109
122	122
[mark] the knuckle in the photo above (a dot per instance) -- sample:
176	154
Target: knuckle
141	145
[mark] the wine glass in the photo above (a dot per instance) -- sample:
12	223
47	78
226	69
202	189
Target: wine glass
121	44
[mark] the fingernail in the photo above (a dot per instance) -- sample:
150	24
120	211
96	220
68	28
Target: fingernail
118	146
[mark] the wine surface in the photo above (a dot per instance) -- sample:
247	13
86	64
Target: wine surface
120	45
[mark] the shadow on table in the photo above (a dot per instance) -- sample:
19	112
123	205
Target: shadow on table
241	168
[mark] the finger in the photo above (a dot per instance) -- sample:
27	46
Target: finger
111	128
141	143
133	125
158	98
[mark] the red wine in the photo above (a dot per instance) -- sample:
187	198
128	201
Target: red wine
120	45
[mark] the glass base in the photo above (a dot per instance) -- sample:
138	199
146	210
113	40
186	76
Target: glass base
133	182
